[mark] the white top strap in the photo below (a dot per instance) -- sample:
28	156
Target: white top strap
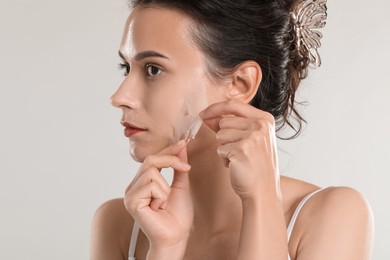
297	210
133	241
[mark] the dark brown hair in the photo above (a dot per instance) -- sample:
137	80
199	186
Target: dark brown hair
230	32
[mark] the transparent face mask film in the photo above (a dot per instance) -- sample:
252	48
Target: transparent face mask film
188	122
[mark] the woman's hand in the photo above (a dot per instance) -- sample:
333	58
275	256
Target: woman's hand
165	213
247	146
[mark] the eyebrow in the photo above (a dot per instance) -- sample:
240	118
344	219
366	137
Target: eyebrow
144	54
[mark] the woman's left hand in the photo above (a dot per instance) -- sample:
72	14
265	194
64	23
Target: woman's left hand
247	146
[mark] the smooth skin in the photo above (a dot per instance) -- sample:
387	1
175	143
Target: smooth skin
227	199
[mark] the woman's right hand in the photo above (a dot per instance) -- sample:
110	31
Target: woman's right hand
165	213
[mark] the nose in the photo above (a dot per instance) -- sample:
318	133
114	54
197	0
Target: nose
126	96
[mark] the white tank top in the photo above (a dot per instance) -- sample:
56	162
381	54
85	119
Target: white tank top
135	231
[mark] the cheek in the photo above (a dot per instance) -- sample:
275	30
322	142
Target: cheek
216	90
173	108
164	108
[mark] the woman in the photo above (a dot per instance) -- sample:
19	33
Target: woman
240	62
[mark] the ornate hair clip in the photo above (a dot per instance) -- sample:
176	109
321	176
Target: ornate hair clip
307	16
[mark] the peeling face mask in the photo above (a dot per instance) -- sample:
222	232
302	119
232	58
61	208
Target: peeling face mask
174	115
188	121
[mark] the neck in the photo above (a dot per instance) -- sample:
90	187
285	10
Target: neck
216	205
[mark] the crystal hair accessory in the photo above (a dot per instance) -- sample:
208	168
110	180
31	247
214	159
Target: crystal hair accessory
306	16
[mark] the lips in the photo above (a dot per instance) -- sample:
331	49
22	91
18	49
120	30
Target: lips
131	130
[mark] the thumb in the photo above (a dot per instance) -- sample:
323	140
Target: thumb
183	154
180	178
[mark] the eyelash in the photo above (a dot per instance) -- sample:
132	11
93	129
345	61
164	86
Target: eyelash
126	67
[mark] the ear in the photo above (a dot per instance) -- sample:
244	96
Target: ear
245	81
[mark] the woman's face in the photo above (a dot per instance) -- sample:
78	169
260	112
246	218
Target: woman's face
166	72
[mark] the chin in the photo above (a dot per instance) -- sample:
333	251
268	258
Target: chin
137	157
140	152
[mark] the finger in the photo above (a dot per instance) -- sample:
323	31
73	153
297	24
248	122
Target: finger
213	123
182	154
180	178
150	175
235	122
149	195
155	193
223	152
161	160
231	107
173	149
225	136
164	161
252	124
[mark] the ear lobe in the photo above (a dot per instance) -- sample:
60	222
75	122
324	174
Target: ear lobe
245	82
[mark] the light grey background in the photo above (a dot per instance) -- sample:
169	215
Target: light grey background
62	151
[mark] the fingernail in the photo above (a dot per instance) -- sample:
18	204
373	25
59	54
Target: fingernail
185	166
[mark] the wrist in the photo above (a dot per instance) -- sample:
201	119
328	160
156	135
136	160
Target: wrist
260	201
263	228
265	192
170	252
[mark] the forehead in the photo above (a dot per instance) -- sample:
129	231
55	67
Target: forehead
158	29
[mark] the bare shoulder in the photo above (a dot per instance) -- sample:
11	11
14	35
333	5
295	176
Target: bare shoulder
336	199
336	223
339	204
110	231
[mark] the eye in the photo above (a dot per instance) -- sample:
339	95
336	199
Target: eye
126	67
152	71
